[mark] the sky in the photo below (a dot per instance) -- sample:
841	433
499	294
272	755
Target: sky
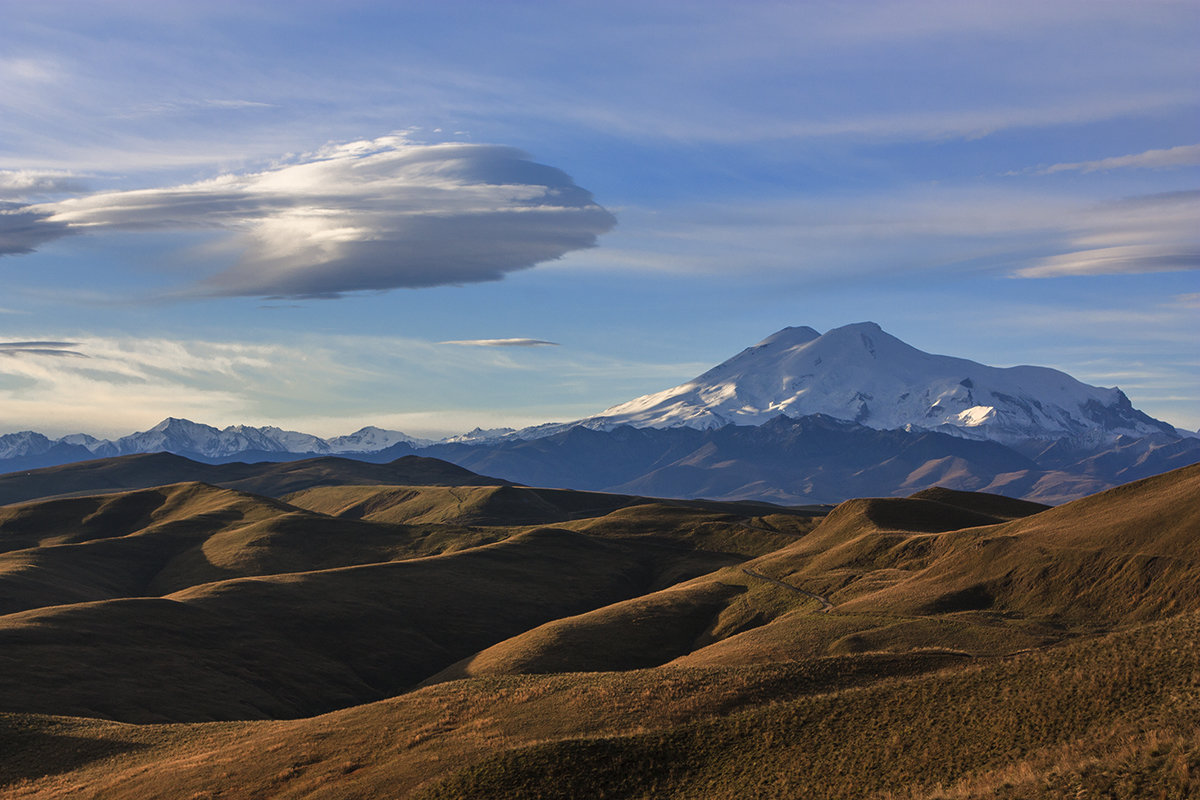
436	216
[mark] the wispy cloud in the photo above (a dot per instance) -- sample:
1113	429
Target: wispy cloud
1150	233
1125	259
367	215
21	184
1009	231
58	349
317	383
168	108
1191	300
501	342
1183	156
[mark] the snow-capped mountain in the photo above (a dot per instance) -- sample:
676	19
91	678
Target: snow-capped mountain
24	443
480	435
861	373
184	436
856	373
368	440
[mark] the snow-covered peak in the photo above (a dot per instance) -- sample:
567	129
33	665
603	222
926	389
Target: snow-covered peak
789	337
861	373
23	443
83	440
480	435
369	439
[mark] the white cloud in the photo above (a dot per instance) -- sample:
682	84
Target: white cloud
1183	156
1191	300
1151	233
501	342
1125	259
1005	230
21	184
367	215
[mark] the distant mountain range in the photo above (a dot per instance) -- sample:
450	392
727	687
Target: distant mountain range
798	418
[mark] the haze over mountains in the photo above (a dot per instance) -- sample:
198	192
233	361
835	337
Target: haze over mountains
799	417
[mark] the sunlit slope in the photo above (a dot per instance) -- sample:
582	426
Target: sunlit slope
657	649
1119	712
389	748
744	614
354	599
901	574
471	505
96	548
1115	714
154	541
642	632
1126	554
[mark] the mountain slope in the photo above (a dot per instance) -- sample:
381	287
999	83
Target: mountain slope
860	373
273	479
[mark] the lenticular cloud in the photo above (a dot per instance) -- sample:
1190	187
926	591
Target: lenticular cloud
372	215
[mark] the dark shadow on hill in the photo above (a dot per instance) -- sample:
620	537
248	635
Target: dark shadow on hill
28	753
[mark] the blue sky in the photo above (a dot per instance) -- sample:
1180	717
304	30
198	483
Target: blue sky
279	213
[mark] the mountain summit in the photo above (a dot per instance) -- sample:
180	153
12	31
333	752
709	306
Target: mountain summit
862	373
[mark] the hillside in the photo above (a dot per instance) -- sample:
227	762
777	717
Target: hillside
272	479
495	641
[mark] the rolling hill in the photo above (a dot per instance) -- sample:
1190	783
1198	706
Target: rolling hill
487	640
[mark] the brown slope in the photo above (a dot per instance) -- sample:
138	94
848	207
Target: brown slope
993	505
641	632
742	616
389	748
155	541
1036	715
901	577
464	505
108	546
1129	553
657	627
838	727
277	480
273	479
384	626
157	660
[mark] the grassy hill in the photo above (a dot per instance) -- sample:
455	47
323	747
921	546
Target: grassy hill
270	479
491	641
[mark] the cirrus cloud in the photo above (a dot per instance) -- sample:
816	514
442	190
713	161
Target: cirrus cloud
501	342
368	215
59	349
1187	155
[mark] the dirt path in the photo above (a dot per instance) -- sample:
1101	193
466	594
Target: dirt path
826	606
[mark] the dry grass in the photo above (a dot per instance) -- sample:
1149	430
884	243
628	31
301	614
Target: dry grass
977	647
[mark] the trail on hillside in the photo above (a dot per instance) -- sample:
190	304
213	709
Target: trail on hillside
826	606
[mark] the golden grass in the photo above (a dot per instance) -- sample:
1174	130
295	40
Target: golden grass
976	647
915	734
